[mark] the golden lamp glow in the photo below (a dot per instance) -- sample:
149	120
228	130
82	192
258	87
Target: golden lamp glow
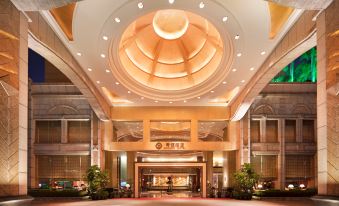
170	24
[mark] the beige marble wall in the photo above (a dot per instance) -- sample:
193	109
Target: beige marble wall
284	102
14	97
327	103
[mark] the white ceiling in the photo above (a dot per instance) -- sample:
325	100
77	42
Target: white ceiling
248	18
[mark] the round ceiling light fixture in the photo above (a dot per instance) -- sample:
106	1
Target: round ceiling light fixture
170	24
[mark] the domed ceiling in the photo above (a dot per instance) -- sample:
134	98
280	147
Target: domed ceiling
171	50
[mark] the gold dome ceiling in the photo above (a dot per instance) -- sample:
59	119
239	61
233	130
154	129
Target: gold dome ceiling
170	50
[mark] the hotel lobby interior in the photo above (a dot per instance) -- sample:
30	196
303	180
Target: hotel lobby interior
169	102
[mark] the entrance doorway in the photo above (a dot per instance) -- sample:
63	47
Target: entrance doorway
170	179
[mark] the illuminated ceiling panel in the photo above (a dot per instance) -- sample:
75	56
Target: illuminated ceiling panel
171	49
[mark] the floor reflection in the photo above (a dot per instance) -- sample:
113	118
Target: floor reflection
174	194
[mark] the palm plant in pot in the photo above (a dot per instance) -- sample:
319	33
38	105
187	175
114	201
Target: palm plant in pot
97	181
245	179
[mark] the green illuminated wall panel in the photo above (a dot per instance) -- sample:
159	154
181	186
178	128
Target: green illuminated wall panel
302	69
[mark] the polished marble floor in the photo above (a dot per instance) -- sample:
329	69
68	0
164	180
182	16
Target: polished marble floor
174	202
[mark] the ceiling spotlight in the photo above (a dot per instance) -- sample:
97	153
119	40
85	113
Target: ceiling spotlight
140	5
224	19
237	37
107	71
128	92
239	55
212	91
242	81
142	97
224	82
103	55
198	97
156	101
252	68
171	1
98	82
117	83
201	5
105	38
170	102
79	54
116	19
185	101
263	52
89	69
234	70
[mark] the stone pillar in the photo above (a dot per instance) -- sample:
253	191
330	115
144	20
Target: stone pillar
13	100
225	173
64	131
115	170
209	166
244	149
32	176
130	168
327	100
95	150
281	156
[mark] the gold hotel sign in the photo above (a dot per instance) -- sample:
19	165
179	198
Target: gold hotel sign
170	146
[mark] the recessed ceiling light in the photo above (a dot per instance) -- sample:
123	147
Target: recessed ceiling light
105	38
185	101
98	82
117	83
237	37
142	97
171	1
263	52
128	92
117	19
212	91
242	81
79	54
156	101
234	70
107	70
103	55
224	82
201	5
89	69
252	68
170	102
224	19
198	97
140	5
239	55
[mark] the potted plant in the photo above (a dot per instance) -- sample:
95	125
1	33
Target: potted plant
97	181
245	179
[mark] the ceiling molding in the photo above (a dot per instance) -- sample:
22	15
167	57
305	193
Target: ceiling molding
64	18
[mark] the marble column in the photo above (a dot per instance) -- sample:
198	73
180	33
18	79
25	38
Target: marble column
209	166
281	156
327	100
130	167
13	100
225	173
